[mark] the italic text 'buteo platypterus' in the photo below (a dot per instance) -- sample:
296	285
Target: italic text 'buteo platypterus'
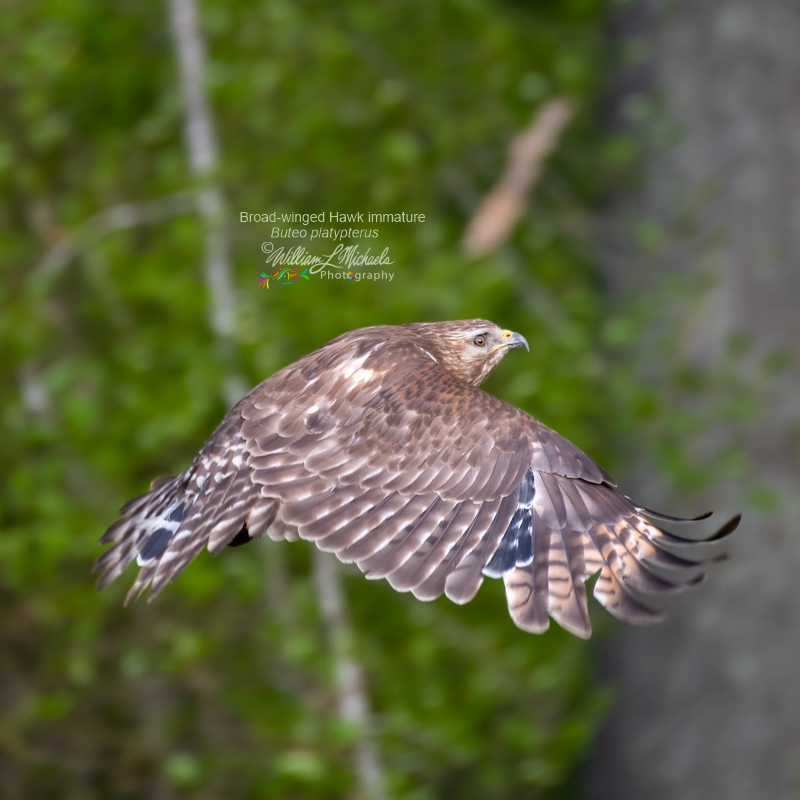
381	448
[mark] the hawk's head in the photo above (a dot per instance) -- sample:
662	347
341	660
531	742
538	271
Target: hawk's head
469	349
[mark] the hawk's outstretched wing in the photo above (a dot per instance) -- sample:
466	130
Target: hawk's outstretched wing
375	451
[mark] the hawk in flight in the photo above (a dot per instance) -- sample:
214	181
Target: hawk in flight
380	447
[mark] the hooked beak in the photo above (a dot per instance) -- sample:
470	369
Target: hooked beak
515	340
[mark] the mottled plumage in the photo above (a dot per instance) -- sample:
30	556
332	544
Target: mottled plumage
381	448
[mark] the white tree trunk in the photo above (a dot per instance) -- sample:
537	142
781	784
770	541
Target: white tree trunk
203	157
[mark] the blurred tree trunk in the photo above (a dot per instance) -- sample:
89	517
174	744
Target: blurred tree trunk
709	703
201	144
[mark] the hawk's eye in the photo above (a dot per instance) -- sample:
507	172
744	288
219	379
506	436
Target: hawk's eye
479	341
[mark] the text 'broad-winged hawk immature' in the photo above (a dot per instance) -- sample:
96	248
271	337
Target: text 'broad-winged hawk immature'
380	448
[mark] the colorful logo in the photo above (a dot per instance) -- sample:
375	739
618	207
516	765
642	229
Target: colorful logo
350	276
283	276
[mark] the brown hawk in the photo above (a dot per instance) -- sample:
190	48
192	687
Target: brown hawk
380	447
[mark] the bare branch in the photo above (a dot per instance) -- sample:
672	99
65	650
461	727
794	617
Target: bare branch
493	222
116	218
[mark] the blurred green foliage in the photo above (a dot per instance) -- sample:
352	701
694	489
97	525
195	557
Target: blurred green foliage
223	687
